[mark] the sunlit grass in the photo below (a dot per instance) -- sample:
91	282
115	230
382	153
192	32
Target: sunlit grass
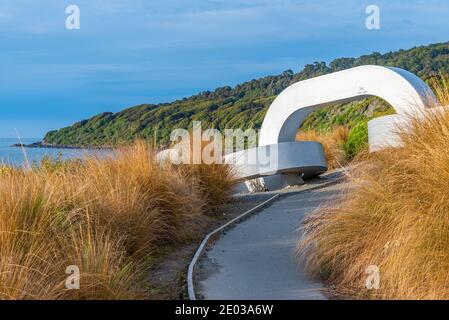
333	144
109	216
396	217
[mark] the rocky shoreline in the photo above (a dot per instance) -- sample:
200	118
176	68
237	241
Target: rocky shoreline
41	144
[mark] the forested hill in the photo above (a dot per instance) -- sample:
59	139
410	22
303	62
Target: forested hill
243	106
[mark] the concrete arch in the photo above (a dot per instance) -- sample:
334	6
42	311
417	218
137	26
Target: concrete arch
404	91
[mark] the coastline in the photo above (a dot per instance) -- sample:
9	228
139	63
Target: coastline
41	144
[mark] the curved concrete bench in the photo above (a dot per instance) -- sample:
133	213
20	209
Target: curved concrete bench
280	158
279	164
383	131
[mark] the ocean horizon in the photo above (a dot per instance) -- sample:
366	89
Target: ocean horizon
24	156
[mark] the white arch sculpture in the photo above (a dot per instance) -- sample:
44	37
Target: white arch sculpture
404	91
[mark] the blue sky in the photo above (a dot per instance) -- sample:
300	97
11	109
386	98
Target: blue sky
150	51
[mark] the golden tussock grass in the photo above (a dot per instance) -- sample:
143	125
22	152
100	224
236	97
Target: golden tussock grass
440	86
395	216
332	142
108	216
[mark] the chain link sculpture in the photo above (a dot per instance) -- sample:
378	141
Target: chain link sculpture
291	160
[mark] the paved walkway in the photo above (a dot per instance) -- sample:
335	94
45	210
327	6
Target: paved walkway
256	258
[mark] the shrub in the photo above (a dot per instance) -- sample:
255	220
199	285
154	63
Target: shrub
357	140
215	183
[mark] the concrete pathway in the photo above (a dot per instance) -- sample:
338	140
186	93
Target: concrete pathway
256	258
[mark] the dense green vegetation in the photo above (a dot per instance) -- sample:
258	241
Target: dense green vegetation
349	114
245	105
357	140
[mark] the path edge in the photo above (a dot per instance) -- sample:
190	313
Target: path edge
200	251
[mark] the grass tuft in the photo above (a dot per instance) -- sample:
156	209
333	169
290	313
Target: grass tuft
109	216
333	144
395	216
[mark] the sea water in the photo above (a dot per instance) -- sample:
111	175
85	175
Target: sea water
23	156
